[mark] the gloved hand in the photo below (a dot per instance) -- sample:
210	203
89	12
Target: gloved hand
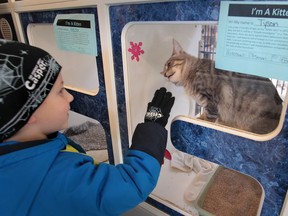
159	108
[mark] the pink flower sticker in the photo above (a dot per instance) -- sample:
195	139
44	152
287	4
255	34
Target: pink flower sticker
136	50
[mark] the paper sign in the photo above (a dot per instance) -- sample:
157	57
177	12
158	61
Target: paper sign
253	38
76	33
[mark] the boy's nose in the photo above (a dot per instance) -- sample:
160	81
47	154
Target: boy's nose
69	96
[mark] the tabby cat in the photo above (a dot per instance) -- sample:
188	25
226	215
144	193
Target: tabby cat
246	102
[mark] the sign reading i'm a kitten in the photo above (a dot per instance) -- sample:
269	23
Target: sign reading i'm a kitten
253	38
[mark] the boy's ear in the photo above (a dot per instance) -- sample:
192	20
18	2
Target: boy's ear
31	120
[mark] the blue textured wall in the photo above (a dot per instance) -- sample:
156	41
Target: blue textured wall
266	161
92	106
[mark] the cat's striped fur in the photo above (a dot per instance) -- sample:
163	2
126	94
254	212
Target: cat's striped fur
237	100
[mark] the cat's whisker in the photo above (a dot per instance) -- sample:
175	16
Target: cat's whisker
236	100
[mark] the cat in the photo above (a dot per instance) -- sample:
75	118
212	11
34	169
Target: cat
246	102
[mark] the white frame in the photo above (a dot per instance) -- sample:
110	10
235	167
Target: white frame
15	7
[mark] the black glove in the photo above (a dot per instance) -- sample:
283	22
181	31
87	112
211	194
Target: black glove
159	108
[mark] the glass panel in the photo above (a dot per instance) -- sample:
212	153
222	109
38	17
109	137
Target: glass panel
185	53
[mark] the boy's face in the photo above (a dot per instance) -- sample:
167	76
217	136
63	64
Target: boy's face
52	115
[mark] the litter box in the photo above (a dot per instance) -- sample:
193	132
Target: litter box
230	193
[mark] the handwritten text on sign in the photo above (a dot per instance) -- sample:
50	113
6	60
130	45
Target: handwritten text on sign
253	39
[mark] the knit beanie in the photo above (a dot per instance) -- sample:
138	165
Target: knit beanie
27	75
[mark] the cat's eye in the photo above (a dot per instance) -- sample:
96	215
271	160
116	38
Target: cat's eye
227	117
232	101
237	103
168	65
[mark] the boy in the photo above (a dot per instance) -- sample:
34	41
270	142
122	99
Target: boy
36	176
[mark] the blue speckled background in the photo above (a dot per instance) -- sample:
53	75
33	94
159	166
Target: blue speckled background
266	161
169	11
92	106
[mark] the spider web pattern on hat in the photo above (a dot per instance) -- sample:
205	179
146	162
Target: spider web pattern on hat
33	85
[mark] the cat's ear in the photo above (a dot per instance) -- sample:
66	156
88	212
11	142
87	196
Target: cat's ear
177	49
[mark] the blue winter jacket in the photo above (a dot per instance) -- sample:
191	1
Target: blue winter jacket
38	178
